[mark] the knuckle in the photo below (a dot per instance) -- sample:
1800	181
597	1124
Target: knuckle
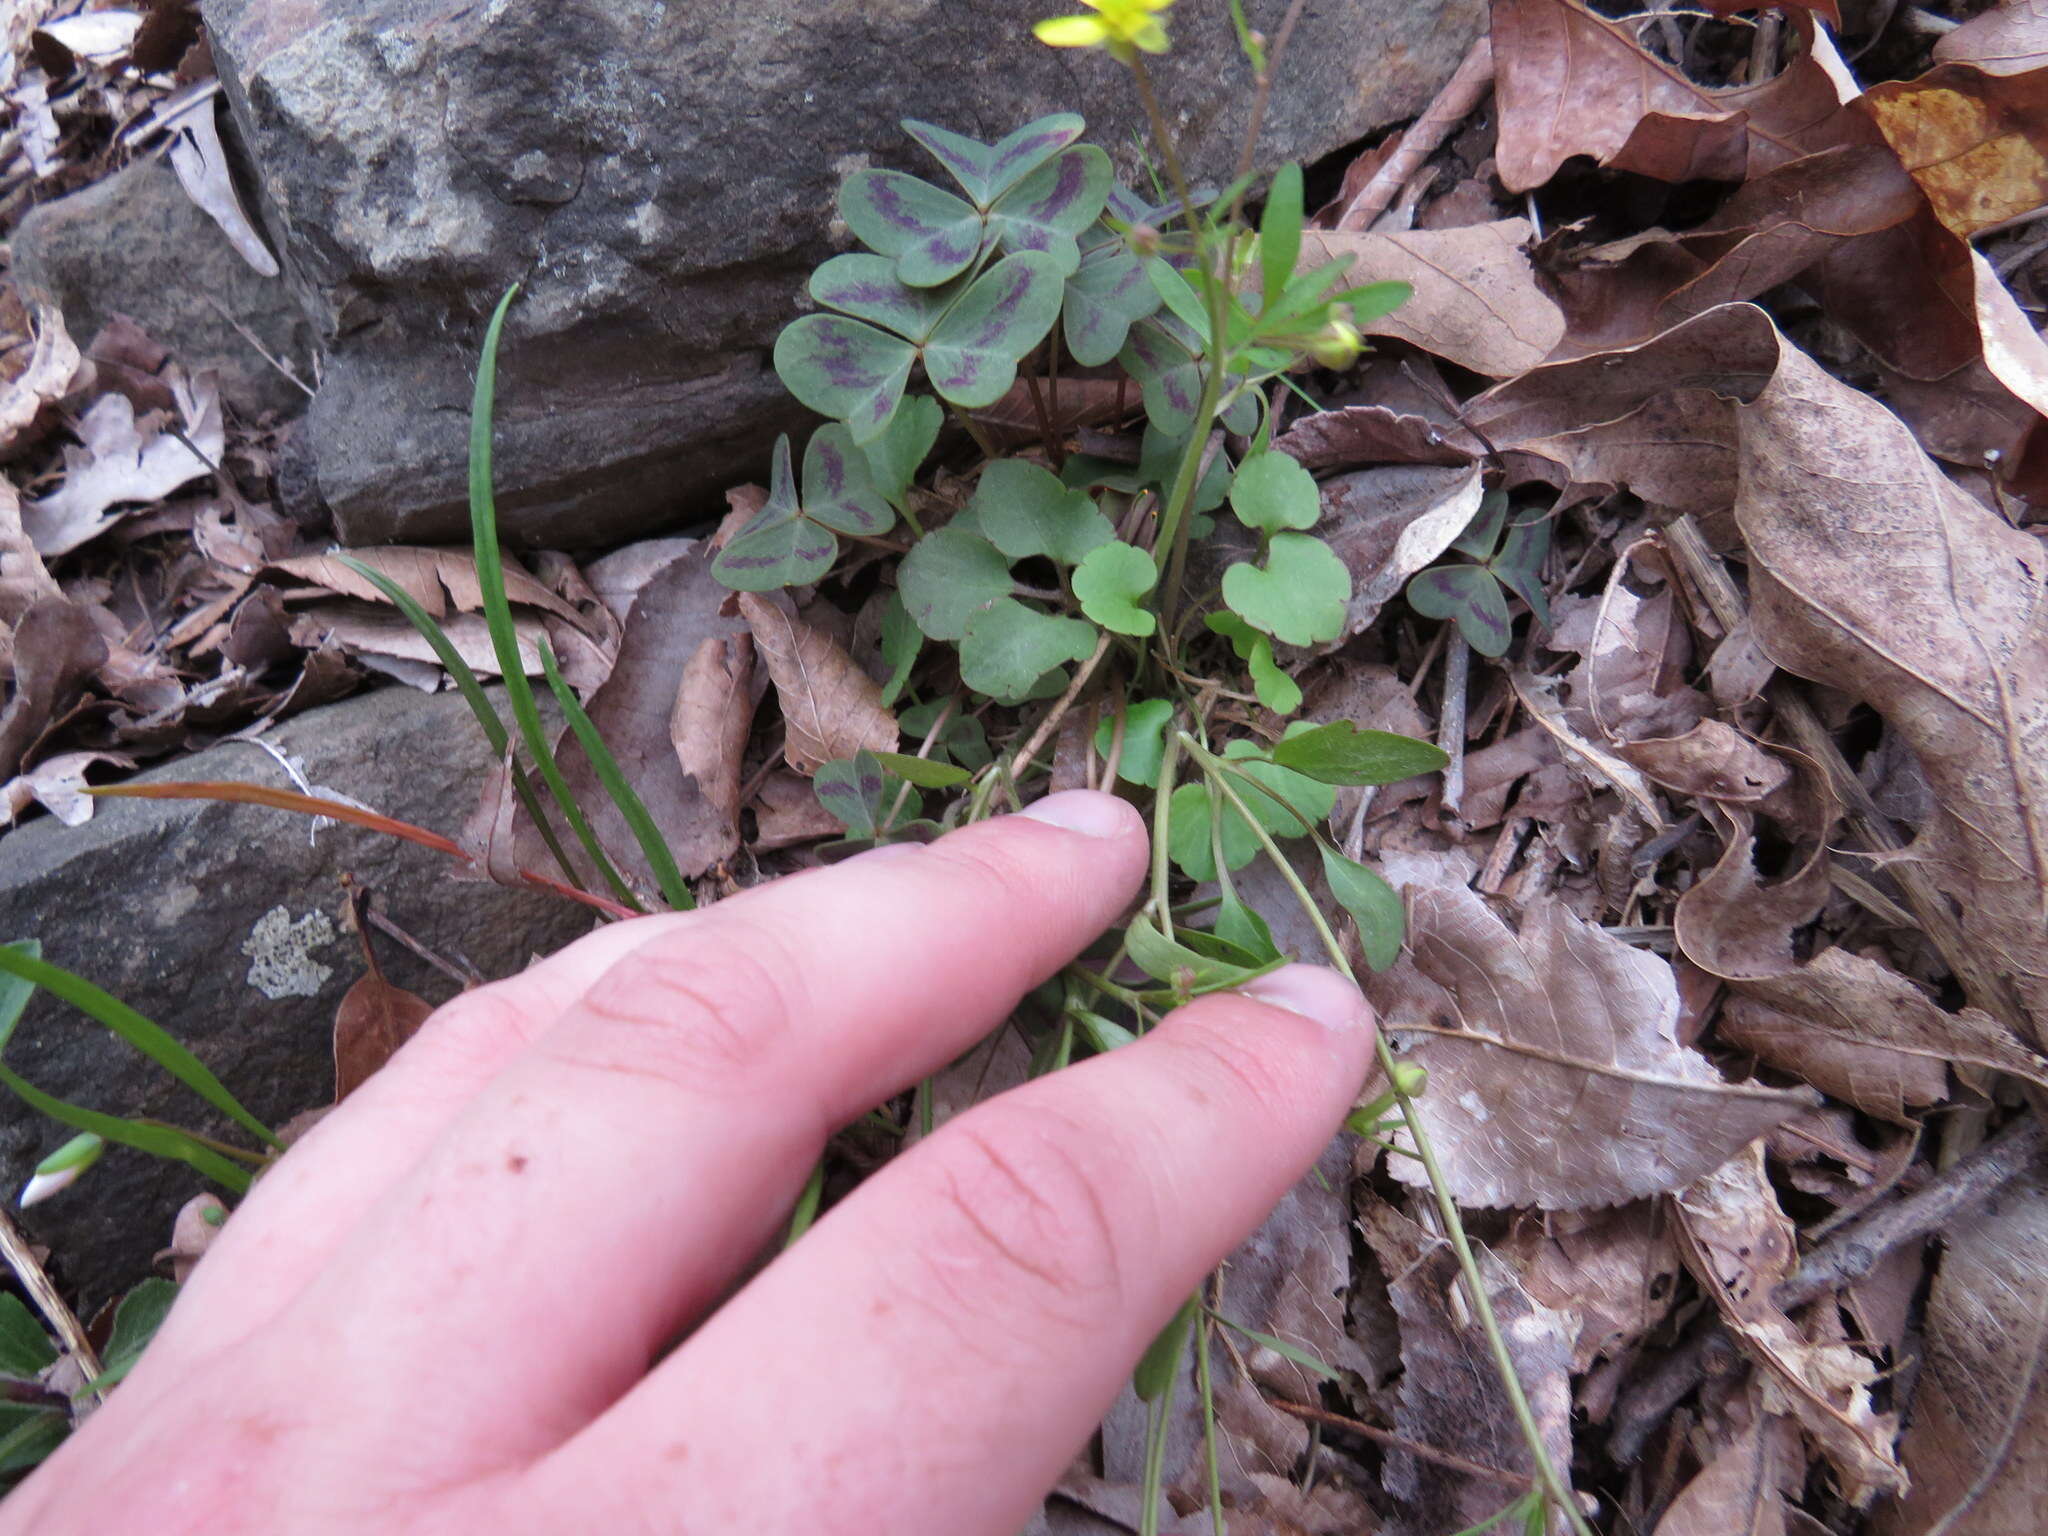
703	1015
484	1027
1018	1235
1259	1088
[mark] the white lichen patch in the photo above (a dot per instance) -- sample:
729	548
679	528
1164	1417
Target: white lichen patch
280	952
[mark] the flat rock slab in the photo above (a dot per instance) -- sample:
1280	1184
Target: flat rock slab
661	178
226	925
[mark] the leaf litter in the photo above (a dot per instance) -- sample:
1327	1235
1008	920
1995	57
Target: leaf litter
1738	928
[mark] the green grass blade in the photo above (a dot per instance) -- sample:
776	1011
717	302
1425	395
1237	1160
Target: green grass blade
479	703
25	962
158	1140
490	575
673	888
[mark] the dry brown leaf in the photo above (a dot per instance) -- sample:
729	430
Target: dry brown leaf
1476	301
1976	141
372	1021
433	578
1978	1447
1739	1492
34	372
490	831
57	647
1612	1273
201	162
58	785
197	1224
1863	1033
1572	82
1556	1078
2009	39
1450	1395
1739	1244
1368	434
830	707
786	812
1712	761
1735	924
675	713
1872	572
123	461
24	580
1587	757
357	627
1388	523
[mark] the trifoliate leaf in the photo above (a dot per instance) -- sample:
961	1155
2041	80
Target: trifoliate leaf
932	234
1373	904
1272	491
1103	298
778	546
971	355
1519	565
1112	583
947	575
1048	210
1007	647
1024	510
839	490
1341	753
1144	740
846	370
1298	596
851	789
1469	595
986	171
895	457
867	288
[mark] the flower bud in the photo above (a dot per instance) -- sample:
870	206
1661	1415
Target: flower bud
1143	239
1337	344
61	1169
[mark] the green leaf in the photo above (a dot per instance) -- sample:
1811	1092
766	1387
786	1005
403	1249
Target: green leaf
971	355
1243	927
932	234
986	171
779	546
901	643
32	1439
1144	746
1372	903
1298	596
25	1350
1285	803
1176	291
1049	209
1272	491
1373	300
1024	510
1104	297
1519	565
948	575
1161	1359
962	737
1481	536
839	490
1471	596
1190	839
1341	753
1274	688
1111	584
165	1141
1007	647
1169	378
1159	461
922	771
1281	1347
1180	966
23	961
141	1312
845	369
867	288
1280	232
851	789
895	457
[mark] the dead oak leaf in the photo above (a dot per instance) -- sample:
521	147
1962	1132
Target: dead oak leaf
1975	141
121	460
1556	1078
830	707
433	578
2009	39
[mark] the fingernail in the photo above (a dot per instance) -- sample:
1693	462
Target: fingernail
1086	811
1315	992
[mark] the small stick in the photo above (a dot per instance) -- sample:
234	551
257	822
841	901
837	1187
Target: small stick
62	1320
1843	1259
1050	723
1415	1448
1466	88
1450	724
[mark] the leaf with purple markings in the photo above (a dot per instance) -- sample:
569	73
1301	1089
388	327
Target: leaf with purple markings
779	546
1519	564
868	288
845	369
971	355
1470	595
895	457
1160	354
986	171
1049	209
931	234
1105	297
839	490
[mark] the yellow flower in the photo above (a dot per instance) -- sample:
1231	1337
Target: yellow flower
1337	344
1118	25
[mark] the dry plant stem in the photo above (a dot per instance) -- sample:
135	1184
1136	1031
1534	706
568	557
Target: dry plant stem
1387	1437
1262	90
1843	1259
1466	88
62	1320
1058	712
1450	725
1985	987
1554	1486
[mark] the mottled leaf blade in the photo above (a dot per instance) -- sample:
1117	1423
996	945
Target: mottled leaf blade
777	547
1469	595
971	356
846	370
1105	296
851	789
1167	374
932	234
1049	209
868	288
839	490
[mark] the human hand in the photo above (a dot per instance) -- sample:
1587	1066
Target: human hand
439	1311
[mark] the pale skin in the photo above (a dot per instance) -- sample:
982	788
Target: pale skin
439	1312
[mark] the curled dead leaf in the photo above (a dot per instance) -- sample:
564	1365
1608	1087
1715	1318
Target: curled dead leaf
830	707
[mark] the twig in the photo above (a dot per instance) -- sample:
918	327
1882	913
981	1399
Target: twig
1842	1260
1050	723
261	351
1262	89
1450	723
1387	1437
62	1320
1466	88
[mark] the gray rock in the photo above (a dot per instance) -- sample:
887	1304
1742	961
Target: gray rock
225	925
136	244
661	178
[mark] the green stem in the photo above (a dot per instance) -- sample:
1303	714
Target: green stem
1162	821
1454	1227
